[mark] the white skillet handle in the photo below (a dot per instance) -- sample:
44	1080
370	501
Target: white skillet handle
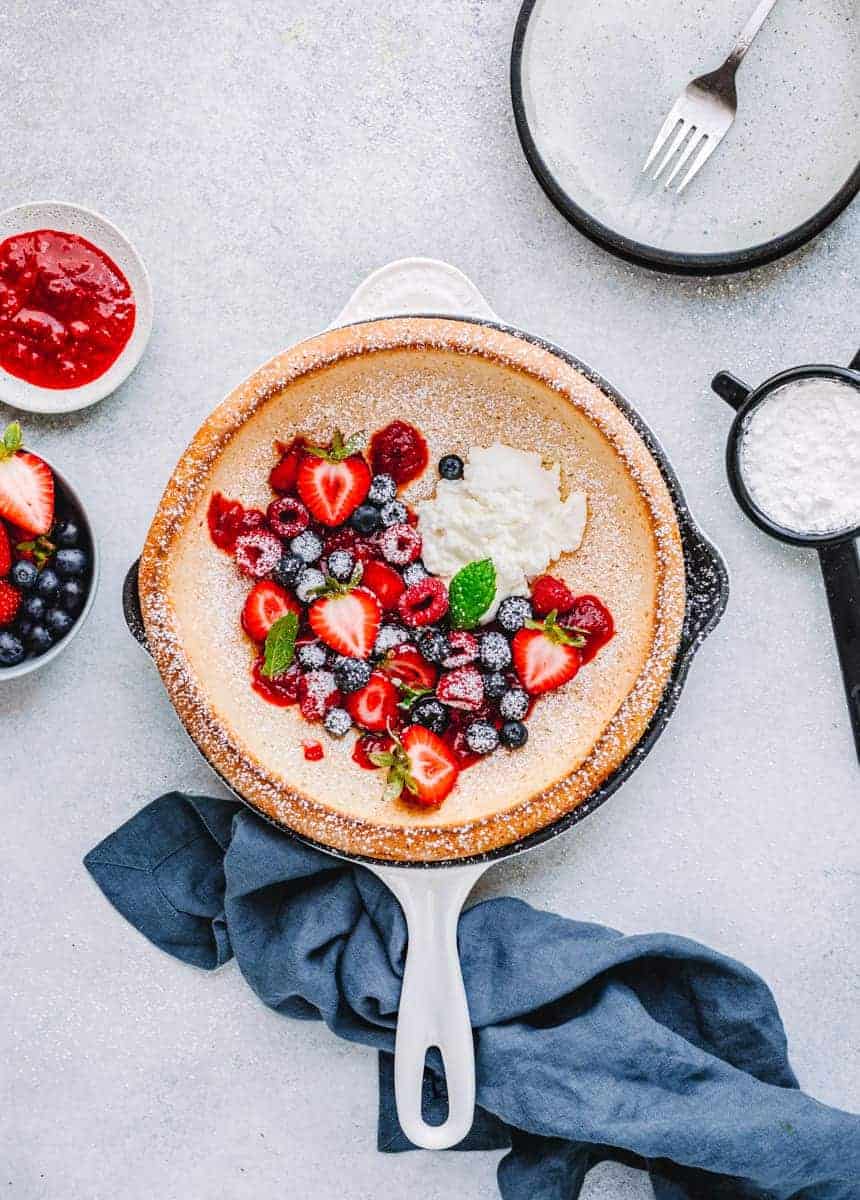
433	1006
414	285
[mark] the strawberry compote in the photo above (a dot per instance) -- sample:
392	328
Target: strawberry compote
66	309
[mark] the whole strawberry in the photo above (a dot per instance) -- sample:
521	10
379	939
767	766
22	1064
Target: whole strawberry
26	485
10	602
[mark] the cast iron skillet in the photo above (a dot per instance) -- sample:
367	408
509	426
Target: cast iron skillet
433	1010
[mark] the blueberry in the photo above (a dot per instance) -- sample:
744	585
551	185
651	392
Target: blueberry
59	622
350	674
48	583
11	649
71	563
382	489
513	734
22	627
495	685
307	583
494	651
513	613
434	646
72	595
430	713
514	704
365	518
481	737
390	636
34	607
24	575
307	546
341	564
39	639
67	534
394	512
451	466
337	722
414	572
287	571
311	656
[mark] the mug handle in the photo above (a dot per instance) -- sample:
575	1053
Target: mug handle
731	389
841	569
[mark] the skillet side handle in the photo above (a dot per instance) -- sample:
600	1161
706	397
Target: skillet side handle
131	605
433	1007
731	389
841	570
854	365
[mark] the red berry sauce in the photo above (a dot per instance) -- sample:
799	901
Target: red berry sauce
398	450
281	691
313	751
228	520
66	309
370	743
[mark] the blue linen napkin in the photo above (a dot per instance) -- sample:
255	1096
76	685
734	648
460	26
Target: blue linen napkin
652	1049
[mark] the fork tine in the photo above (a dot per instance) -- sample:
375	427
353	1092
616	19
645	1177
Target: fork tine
699	161
660	140
684	131
693	144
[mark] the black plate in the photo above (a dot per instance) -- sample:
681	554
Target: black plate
707	583
640	252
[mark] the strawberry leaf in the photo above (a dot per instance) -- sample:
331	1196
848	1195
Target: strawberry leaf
280	645
13	440
471	592
408	695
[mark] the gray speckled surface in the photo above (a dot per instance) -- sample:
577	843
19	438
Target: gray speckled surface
265	157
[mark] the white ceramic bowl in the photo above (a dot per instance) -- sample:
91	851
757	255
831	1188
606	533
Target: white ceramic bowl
71	218
65	490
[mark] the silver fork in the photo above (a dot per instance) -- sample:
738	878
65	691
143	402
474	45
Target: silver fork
703	113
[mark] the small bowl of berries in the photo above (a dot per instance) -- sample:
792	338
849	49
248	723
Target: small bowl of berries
48	559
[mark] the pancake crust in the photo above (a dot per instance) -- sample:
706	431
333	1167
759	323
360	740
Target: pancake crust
462	385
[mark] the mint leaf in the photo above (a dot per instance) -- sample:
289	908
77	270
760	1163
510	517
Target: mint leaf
471	592
280	645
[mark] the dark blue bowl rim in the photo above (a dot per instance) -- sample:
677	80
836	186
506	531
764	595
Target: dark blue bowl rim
707	583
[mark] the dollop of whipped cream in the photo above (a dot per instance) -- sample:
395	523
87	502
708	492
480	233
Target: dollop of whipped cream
507	507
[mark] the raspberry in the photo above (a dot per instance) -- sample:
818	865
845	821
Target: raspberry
315	692
287	516
10	602
424	602
462	649
400	544
461	688
549	593
258	553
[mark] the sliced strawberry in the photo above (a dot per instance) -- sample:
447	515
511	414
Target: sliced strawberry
266	603
433	767
591	617
545	656
461	688
282	477
26	485
374	706
5	552
348	623
407	665
10	602
385	584
333	482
